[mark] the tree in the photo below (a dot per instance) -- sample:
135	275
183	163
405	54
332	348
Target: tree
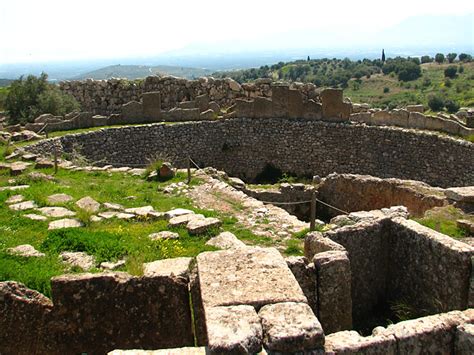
463	57
439	58
33	96
452	106
426	59
383	55
451	57
450	72
436	102
308	59
409	71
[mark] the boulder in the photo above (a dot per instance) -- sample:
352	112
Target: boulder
25	250
226	240
163	235
174	267
166	171
59	199
78	259
461	194
44	164
202	225
88	204
184	220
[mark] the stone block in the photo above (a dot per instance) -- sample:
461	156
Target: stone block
400	117
295	104
464	343
174	267
280	97
244	108
251	276
233	330
312	110
381	118
417	120
262	108
333	106
415	108
132	109
351	342
463	194
202	102
315	243
305	274
334	290
151	105
290	327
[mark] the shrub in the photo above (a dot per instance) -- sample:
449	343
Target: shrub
409	71
461	69
452	106
426	82
439	58
426	59
386	90
448	83
450	72
463	57
30	97
436	102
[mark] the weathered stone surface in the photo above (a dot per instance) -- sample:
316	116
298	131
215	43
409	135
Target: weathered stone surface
464	343
251	276
65	223
184	219
315	243
333	106
56	212
125	216
35	217
226	240
22	206
25	250
14	188
152	105
140	211
290	327
88	204
177	351
334	290
29	157
109	214
15	199
176	267
305	274
351	342
415	108
166	171
113	206
233	330
202	225
108	265
164	235
177	212
78	259
461	194
18	168
59	198
44	164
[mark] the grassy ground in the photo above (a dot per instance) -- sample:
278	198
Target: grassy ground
106	240
459	89
3	95
443	219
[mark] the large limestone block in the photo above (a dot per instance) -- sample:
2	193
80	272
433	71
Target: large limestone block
280	100
132	109
201	225
290	327
334	290
59	198
305	274
226	240
464	344
56	212
351	342
251	276
461	194
333	106
151	105
233	330
88	204
176	351
417	120
295	104
315	243
176	267
262	108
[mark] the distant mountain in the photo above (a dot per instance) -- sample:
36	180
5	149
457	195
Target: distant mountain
142	71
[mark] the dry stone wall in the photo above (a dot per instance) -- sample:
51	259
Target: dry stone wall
107	96
245	147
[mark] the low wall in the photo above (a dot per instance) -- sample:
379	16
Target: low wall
96	313
352	193
245	147
107	96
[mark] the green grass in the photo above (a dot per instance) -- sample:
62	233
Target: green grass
443	220
432	81
107	240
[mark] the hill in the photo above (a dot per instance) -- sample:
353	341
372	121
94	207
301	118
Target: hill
142	71
5	82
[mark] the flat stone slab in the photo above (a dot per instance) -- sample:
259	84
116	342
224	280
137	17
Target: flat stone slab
44	164
108	265
125	216
15	199
140	211
56	212
290	327
88	204
177	212
65	223
168	267
200	226
14	188
109	214
226	240
25	250
233	330
59	198
18	168
29	157
113	206
78	259
164	235
183	220
22	206
35	217
460	194
250	276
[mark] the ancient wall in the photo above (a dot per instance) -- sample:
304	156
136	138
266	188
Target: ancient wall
107	96
351	193
245	147
96	313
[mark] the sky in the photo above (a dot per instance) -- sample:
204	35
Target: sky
56	30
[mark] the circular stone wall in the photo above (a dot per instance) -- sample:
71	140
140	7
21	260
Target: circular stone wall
244	147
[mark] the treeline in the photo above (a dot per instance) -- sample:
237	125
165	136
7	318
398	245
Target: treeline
337	72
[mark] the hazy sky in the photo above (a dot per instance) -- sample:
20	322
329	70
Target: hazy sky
34	30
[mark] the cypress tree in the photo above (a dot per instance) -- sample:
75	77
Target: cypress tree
383	56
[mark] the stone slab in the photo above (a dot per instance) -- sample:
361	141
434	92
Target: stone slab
25	250
461	194
290	327
249	276
22	206
226	240
200	226
59	198
168	267
65	223
56	212
88	204
233	330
